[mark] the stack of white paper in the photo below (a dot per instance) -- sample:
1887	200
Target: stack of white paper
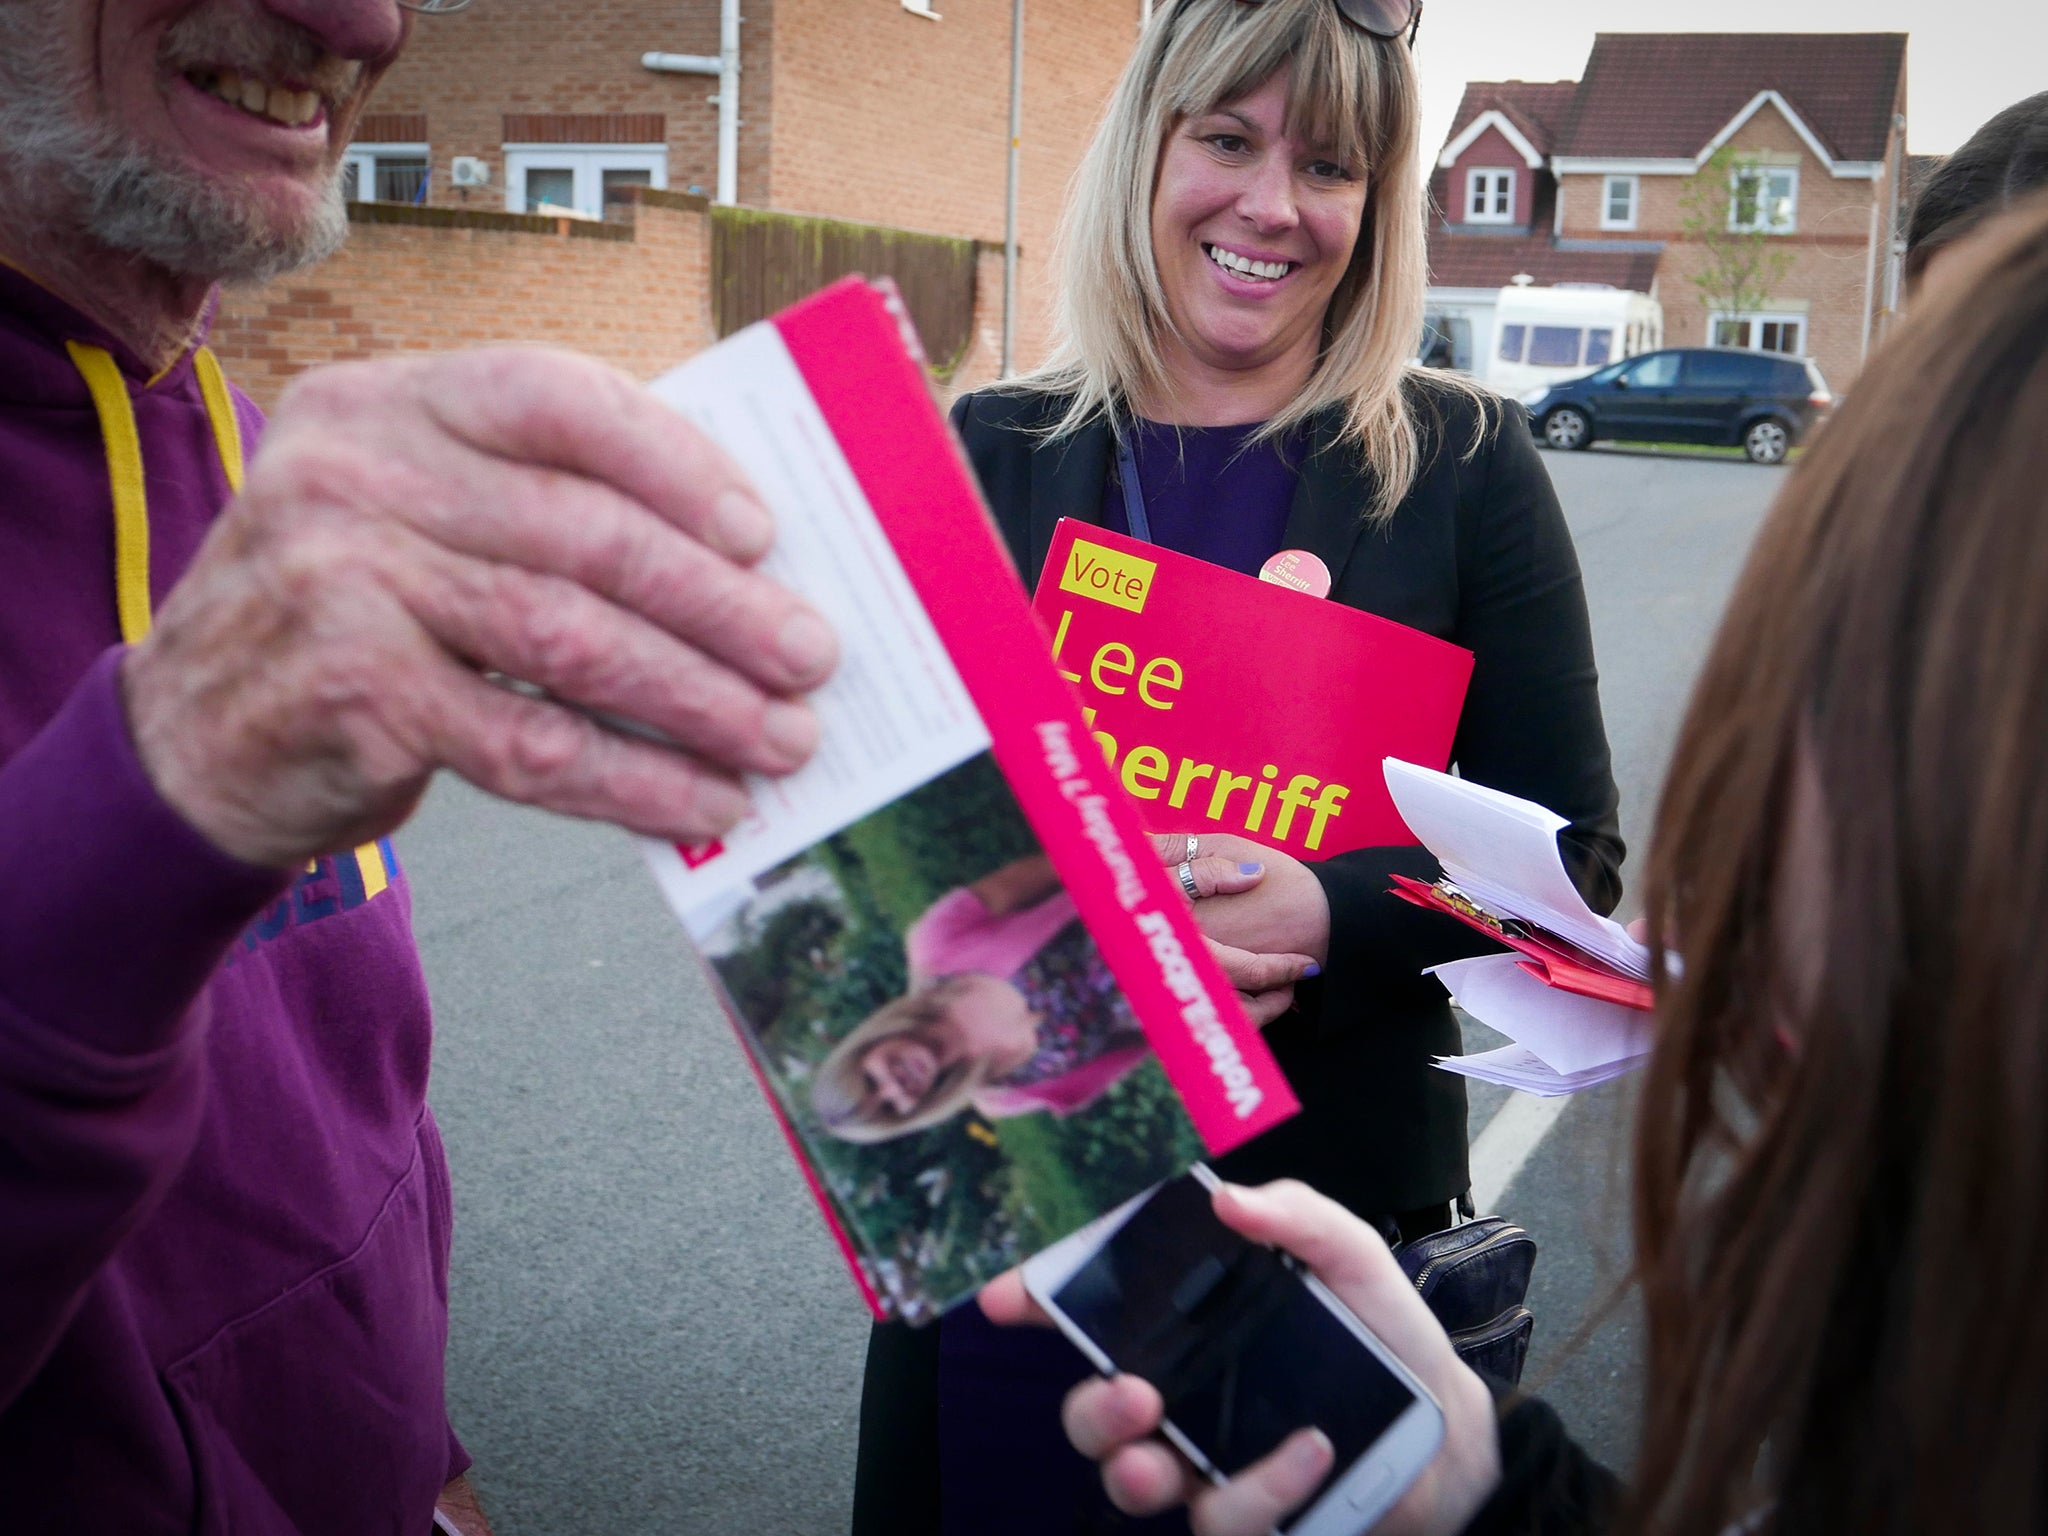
1502	851
1563	1042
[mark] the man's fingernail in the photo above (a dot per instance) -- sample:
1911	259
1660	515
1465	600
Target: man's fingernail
741	526
721	804
1249	869
791	729
1311	969
806	644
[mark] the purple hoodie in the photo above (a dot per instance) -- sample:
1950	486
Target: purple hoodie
224	1210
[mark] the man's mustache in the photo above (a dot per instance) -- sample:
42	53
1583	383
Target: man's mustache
258	45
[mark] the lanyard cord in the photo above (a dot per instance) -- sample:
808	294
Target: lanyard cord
1134	494
109	391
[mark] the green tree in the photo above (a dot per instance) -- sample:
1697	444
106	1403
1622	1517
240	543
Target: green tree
1724	212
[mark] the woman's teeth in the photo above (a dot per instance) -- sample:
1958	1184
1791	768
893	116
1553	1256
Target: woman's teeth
1244	266
294	109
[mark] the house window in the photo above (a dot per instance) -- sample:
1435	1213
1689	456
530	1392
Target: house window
385	173
1764	198
579	179
1782	334
1489	197
1618	203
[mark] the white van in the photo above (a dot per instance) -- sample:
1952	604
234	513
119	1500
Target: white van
1545	335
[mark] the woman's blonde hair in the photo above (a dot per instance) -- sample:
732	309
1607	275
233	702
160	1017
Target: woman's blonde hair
842	1098
1344	85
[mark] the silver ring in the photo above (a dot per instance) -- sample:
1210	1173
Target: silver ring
1186	871
1193	850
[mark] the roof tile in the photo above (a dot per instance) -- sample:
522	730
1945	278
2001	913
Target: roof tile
1664	95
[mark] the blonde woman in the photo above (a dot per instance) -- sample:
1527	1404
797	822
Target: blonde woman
1242	290
1011	1010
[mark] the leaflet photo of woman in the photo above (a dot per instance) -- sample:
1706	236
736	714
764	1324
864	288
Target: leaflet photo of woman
946	1043
1010	1011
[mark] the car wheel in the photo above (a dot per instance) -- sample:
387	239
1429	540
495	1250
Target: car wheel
1567	428
1767	442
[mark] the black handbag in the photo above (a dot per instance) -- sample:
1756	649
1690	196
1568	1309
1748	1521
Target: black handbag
1475	1277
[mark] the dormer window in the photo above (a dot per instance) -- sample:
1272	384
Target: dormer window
1489	197
1618	202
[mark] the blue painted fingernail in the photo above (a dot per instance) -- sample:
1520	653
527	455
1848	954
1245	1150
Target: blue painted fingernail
1249	869
1311	969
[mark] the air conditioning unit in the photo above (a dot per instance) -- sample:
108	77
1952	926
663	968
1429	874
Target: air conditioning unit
468	171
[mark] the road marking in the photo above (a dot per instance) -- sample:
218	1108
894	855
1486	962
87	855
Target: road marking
1515	1131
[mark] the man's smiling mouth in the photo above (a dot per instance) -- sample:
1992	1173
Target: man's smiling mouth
1245	267
273	103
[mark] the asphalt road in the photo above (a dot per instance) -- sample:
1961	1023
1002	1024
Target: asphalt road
651	1330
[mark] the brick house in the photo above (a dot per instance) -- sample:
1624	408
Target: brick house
891	112
1582	182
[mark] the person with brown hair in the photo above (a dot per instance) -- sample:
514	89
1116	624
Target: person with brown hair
2004	160
1841	1155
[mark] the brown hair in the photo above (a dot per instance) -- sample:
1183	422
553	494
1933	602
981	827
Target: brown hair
2002	162
1842	1239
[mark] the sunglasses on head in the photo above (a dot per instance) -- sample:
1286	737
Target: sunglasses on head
1381	18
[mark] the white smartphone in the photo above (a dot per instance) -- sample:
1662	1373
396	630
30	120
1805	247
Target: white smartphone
1245	1346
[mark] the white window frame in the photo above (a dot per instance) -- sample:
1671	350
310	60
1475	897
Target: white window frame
921	8
587	163
1764	222
1756	320
1608	186
364	158
1496	180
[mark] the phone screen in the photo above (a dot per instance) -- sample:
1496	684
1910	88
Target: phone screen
1241	1350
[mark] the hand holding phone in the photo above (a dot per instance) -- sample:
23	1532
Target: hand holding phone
1112	1420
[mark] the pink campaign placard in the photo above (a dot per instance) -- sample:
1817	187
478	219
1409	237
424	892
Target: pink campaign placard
925	498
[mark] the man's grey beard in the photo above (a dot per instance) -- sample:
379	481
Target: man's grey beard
81	177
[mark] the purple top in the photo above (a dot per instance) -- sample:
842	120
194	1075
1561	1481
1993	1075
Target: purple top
1207	494
224	1210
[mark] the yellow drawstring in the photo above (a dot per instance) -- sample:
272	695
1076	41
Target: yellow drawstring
124	471
220	410
109	392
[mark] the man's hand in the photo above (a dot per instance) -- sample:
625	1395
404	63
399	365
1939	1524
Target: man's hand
411	525
1112	1421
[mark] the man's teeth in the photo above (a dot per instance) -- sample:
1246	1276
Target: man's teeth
292	108
1244	266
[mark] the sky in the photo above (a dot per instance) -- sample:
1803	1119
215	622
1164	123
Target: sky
1965	58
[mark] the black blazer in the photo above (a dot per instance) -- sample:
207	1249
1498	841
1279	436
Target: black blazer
1477	553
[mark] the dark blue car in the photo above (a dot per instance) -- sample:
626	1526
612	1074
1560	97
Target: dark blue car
1752	400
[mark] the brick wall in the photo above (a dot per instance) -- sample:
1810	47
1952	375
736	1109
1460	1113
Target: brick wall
1830	247
857	109
636	294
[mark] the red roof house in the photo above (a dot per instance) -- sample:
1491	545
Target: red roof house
1584	181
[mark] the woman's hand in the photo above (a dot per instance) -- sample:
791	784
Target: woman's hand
1253	898
1112	1421
1264	980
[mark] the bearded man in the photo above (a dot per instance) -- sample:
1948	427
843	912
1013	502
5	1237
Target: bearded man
230	660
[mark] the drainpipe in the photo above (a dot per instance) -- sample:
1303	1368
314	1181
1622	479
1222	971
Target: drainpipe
725	66
1010	212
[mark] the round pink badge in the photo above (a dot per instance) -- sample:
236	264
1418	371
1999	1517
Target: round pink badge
1299	569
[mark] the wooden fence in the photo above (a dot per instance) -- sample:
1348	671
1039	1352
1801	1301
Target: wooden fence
761	261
